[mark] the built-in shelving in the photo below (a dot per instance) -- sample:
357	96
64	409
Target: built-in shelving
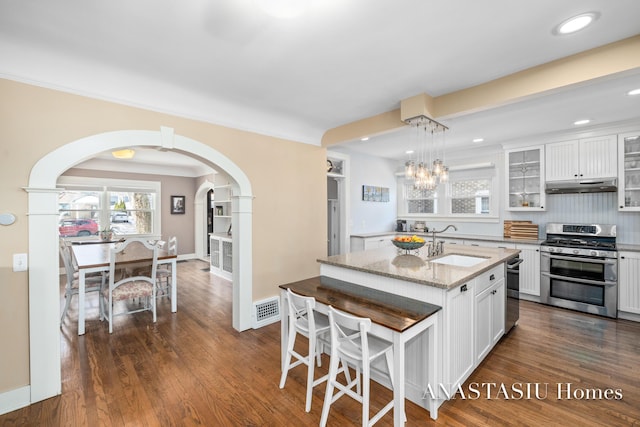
222	208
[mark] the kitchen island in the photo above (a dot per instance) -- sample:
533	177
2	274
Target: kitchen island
470	289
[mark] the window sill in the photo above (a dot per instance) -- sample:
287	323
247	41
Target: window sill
456	217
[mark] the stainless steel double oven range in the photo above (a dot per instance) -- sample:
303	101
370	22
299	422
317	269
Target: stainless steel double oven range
579	268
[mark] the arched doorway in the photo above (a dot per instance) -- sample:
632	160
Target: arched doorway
44	340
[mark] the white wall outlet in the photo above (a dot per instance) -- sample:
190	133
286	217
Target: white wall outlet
20	262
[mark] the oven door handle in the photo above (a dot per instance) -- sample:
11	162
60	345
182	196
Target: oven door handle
573	279
586	260
516	262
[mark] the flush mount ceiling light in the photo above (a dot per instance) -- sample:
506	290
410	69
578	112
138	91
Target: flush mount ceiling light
634	92
477	140
426	170
126	153
581	122
575	23
283	9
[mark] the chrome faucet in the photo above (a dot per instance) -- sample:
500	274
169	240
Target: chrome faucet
436	249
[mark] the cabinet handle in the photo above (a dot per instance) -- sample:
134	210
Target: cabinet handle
492	277
541	207
621	207
621	257
463	288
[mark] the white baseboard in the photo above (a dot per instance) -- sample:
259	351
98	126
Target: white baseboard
15	399
629	316
527	297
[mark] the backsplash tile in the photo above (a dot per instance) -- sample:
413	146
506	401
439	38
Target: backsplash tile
600	208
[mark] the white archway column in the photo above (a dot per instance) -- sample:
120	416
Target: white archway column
241	219
44	296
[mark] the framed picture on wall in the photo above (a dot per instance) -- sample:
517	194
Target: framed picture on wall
372	193
177	204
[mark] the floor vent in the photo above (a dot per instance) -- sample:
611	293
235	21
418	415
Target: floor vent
266	312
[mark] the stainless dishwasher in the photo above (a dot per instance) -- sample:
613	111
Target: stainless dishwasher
512	296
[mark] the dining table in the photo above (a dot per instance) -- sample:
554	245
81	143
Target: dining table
95	258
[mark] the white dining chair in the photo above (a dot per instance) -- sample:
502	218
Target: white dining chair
142	285
304	320
93	282
353	345
164	271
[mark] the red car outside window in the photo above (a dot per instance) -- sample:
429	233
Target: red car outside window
78	227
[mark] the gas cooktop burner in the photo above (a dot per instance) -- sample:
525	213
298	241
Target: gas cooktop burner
580	243
579	237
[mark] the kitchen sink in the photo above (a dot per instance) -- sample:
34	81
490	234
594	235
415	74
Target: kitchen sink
459	260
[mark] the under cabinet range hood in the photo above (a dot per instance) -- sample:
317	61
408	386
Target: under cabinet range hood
585	186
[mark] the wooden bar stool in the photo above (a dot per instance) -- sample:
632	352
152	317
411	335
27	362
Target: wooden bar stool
353	345
304	320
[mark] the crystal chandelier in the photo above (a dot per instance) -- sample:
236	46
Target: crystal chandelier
427	169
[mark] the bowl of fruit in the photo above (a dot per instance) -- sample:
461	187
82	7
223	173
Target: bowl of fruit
408	243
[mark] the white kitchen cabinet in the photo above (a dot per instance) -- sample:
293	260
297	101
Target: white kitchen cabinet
489	318
446	240
588	158
459	338
486	244
529	269
525	173
629	171
378	242
628	283
221	256
366	243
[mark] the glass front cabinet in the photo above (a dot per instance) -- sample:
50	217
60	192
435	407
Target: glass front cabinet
629	171
525	179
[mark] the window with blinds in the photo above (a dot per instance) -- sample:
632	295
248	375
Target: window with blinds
470	196
420	201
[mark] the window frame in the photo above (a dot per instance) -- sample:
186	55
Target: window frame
444	195
105	186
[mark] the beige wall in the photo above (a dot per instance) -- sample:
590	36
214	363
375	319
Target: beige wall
288	181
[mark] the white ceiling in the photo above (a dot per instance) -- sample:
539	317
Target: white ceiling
228	62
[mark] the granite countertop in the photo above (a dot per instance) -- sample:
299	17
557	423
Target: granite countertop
498	239
417	267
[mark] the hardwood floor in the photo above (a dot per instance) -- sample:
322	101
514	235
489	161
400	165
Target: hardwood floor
192	368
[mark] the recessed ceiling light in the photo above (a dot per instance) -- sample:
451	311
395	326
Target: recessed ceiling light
575	23
634	92
477	140
366	138
581	122
408	152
